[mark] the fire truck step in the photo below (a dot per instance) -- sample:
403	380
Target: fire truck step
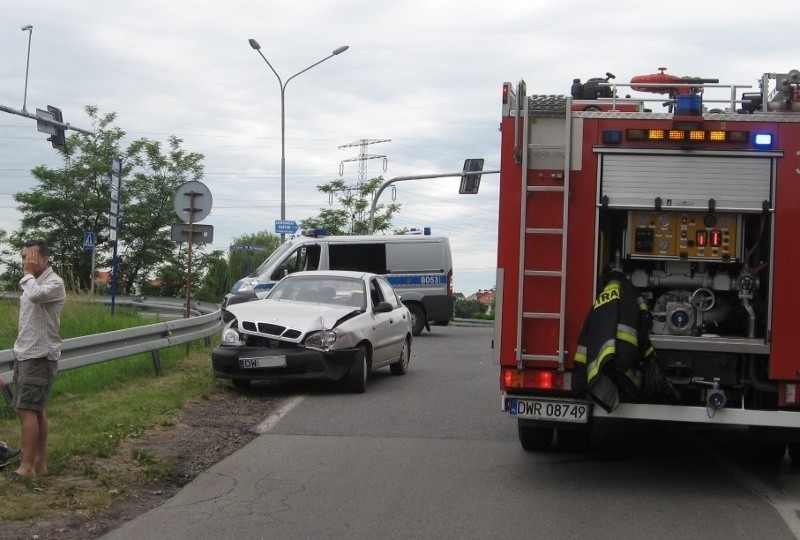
542	357
540	315
543	230
545	273
545	188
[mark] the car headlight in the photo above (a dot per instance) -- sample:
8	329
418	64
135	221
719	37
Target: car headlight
230	336
247	285
323	339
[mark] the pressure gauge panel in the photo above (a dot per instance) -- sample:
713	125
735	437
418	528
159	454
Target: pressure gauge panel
684	235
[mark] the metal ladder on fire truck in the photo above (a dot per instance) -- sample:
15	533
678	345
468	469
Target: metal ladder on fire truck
528	145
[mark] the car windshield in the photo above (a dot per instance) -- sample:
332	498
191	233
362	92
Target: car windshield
277	254
333	290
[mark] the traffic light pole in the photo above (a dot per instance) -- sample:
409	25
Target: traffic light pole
391	181
55	123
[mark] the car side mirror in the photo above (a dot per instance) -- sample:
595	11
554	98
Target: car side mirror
383	307
280	272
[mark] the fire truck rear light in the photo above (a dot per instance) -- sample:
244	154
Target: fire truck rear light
513	378
505	94
716	238
612	136
542	379
716	136
738	136
636	134
763	140
697	135
676	135
701	238
655	134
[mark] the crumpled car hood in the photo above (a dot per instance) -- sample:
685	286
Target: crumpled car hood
302	316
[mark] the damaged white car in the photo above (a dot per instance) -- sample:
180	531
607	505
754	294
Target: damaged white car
332	325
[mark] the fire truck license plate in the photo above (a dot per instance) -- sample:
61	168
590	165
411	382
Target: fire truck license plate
541	409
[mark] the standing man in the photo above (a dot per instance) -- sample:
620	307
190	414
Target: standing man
36	352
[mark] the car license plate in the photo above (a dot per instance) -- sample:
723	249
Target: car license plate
262	362
545	409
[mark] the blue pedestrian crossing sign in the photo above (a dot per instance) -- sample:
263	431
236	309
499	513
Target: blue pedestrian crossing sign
283	226
89	241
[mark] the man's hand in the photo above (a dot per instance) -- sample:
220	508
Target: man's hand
30	267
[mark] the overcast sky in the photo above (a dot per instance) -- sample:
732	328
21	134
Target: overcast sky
425	74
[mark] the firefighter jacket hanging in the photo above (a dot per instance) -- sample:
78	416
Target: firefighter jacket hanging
614	349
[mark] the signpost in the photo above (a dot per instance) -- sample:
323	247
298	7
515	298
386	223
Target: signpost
89	244
192	203
113	225
283	226
200	234
89	241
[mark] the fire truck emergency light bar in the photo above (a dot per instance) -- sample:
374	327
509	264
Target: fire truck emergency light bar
760	140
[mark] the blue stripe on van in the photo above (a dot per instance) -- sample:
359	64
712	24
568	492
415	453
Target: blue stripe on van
416	280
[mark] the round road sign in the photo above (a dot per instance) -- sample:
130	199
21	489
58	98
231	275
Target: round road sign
192	200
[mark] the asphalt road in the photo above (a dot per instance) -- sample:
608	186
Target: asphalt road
430	455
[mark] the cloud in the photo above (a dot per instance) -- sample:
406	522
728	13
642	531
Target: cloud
426	75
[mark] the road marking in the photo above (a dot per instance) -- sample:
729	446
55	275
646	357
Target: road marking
269	422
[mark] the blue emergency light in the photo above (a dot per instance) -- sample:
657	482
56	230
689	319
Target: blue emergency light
763	140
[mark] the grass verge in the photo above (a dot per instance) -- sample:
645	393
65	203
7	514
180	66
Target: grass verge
92	409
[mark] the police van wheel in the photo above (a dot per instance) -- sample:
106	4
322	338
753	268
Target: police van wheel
535	439
417	319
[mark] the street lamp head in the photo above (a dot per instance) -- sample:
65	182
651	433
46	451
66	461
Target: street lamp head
254	44
341	49
27	27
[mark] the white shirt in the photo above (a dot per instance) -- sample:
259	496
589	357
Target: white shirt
40	316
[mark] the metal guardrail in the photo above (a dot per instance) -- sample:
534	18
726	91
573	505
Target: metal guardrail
472	322
87	350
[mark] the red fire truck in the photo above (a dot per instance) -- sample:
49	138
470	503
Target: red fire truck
696	201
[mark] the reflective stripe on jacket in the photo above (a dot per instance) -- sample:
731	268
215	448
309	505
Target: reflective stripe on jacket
612	344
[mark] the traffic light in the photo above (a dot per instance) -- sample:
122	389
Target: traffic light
471	179
58	139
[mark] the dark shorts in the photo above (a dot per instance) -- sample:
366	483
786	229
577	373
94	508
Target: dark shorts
33	379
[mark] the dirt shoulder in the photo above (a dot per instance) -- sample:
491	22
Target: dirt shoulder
201	435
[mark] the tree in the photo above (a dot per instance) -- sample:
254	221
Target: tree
472	309
220	274
68	201
216	280
353	215
243	263
148	210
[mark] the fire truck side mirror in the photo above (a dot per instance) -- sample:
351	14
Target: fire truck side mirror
471	179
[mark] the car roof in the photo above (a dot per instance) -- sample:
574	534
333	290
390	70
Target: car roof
335	273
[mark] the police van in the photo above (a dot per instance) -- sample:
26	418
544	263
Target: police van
419	267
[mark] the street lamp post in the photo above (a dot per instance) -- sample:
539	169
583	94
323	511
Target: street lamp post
27	28
254	44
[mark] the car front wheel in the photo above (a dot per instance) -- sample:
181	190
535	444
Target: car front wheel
357	377
401	366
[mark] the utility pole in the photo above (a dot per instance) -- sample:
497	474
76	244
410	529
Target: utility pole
363	157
